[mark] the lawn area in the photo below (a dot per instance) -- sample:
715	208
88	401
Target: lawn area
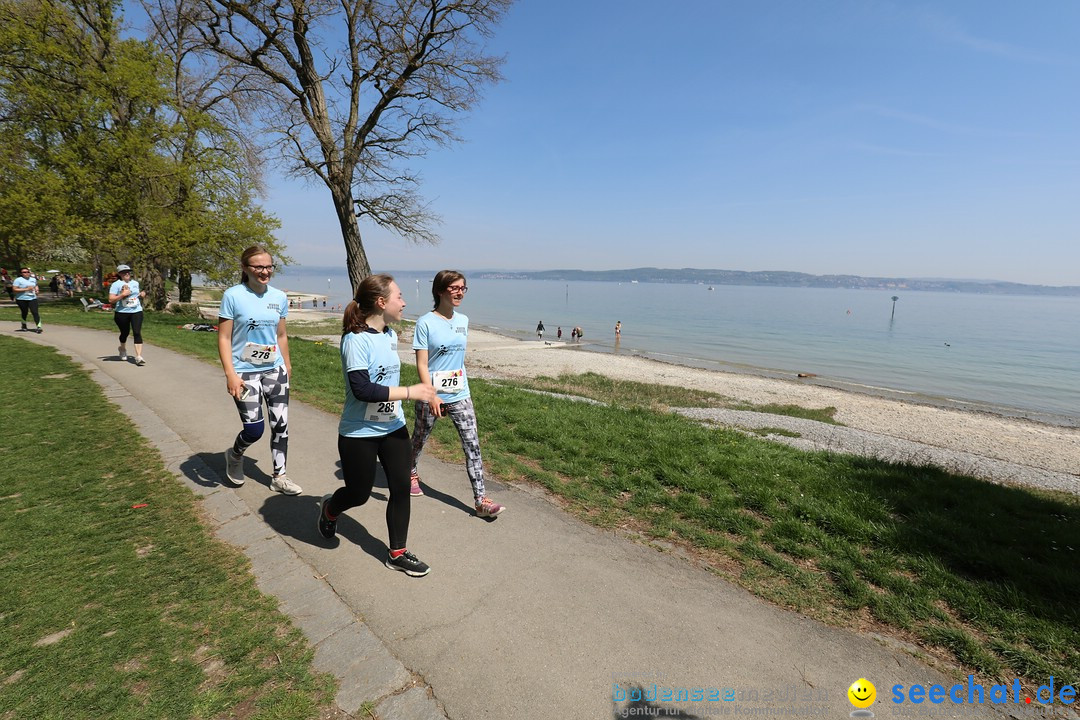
109	610
981	575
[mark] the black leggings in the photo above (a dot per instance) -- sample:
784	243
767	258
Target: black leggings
129	322
30	305
358	468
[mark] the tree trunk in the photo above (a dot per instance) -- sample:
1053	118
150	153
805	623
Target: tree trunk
183	284
154	285
355	258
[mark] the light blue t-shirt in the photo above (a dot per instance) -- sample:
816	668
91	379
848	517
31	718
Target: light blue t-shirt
255	320
376	353
22	288
445	341
130	304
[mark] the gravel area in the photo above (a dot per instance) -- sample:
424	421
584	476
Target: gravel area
814	435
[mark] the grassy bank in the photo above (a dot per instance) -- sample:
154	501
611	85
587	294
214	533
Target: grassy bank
982	575
111	610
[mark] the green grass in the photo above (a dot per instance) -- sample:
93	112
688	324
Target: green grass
159	619
984	575
626	393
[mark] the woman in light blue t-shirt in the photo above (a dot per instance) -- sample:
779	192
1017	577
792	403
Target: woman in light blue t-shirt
439	342
26	289
126	298
372	425
254	349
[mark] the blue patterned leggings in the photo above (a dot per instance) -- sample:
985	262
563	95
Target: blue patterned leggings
464	417
273	387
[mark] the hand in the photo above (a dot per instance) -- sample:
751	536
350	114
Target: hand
234	385
423	393
437	406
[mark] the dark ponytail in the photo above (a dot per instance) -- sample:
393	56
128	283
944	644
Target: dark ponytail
364	304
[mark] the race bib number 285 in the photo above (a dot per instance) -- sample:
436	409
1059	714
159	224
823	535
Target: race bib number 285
382	412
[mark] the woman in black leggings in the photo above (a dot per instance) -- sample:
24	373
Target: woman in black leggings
372	424
126	298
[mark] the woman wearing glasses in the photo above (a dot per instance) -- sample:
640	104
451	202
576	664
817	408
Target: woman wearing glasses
439	343
254	350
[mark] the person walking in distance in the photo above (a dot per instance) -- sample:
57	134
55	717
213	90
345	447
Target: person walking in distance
26	297
126	298
253	345
540	330
439	341
372	425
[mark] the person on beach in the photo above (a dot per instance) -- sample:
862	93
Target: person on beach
558	333
126	298
25	288
439	341
254	349
372	424
540	330
618	329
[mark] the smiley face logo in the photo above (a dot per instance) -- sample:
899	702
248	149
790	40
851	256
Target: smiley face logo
862	693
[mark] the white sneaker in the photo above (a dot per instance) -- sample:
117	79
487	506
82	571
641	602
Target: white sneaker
234	467
285	486
122	352
139	361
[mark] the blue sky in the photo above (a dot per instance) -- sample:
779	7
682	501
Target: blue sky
874	138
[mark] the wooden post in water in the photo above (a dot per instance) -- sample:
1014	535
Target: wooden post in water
893	316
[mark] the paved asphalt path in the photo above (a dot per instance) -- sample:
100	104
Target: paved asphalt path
533	615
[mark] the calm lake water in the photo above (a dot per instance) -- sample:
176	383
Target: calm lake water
1011	354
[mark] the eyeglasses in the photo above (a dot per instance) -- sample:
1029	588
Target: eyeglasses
262	268
24	272
458	289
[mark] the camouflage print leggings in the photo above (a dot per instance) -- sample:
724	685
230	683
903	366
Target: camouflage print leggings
273	386
464	417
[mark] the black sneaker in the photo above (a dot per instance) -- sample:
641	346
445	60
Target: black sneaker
38	331
408	563
327	527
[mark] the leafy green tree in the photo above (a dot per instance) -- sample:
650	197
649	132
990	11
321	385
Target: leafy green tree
119	158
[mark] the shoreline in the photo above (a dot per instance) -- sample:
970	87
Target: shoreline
1018	442
904	396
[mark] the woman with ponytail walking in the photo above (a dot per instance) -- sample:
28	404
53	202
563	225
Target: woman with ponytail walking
372	425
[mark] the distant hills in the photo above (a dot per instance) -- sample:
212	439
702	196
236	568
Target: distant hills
783	278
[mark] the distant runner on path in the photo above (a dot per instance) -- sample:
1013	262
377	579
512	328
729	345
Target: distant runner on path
26	289
126	298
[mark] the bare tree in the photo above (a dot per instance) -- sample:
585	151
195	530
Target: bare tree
356	88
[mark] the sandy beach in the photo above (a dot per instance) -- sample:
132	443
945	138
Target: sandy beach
1013	444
